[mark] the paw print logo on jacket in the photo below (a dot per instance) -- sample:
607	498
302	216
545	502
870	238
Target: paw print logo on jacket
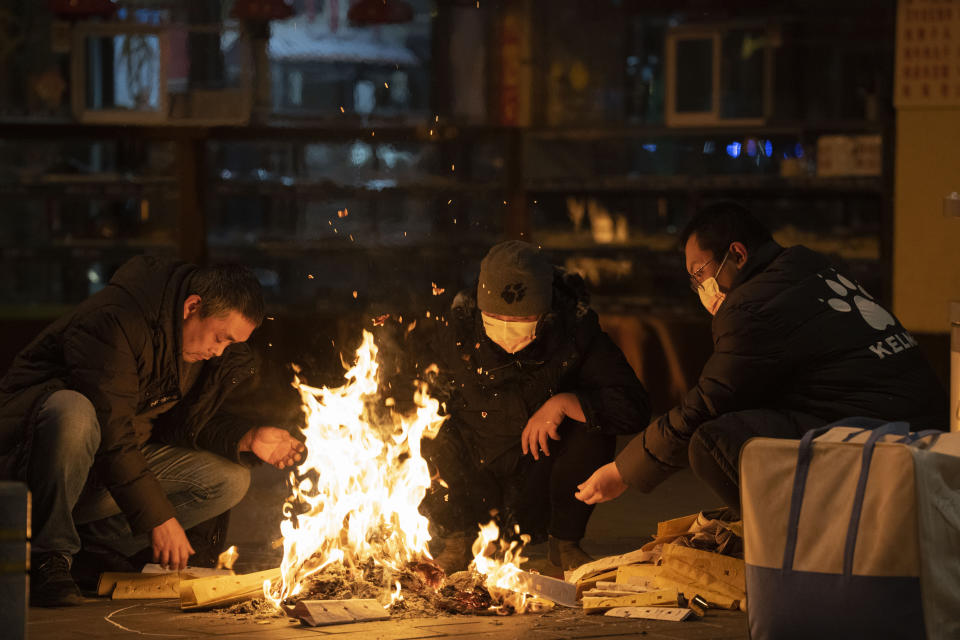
871	312
514	292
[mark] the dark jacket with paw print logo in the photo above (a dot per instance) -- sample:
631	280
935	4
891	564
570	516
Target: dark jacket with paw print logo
794	334
490	394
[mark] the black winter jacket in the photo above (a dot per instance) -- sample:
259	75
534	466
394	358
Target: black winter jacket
121	349
794	334
490	394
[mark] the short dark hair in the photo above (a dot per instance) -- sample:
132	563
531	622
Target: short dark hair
228	287
719	225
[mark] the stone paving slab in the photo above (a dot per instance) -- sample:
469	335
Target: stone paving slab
102	618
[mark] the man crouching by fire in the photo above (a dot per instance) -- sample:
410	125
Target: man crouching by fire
536	393
121	417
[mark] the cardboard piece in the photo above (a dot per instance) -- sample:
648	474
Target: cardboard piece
638	575
726	572
219	591
720	579
671	614
604	565
607	593
140	586
559	591
321	613
196	572
711	523
592	582
620	586
661	597
716	600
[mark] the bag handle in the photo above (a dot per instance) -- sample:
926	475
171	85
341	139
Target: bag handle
804	455
911	438
898	428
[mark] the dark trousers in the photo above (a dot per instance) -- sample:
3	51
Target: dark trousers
715	446
69	511
514	489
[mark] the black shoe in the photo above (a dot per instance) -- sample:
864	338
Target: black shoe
88	565
209	540
51	584
456	554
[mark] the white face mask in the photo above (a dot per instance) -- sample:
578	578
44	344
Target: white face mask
709	291
510	336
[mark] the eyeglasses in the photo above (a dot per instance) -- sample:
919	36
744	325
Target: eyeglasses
695	278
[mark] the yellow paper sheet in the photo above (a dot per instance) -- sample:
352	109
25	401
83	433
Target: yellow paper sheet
662	597
217	591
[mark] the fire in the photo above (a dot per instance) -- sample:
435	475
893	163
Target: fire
356	495
226	559
502	577
395	596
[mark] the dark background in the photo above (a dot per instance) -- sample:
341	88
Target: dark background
349	214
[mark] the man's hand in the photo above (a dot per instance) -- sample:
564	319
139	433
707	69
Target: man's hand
542	425
171	549
605	484
273	445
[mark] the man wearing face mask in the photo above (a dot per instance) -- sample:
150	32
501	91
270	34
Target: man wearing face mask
536	394
797	344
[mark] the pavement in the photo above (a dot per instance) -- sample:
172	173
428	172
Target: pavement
163	619
616	527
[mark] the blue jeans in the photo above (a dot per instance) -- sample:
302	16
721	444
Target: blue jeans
68	508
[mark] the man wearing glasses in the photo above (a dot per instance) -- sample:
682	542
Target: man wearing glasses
797	344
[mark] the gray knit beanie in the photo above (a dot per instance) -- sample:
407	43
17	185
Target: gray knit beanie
515	280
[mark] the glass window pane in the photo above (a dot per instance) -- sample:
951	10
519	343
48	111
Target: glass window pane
323	64
741	73
694	75
123	72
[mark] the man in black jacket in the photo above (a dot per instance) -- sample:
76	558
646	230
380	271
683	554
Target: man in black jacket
797	345
536	394
117	417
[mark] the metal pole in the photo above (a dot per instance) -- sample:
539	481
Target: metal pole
951	208
955	366
14	559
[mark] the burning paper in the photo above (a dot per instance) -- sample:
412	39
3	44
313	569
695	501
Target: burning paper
503	578
226	559
355	497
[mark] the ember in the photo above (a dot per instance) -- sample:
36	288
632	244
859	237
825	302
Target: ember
421	589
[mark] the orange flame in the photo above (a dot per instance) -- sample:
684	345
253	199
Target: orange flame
356	495
502	577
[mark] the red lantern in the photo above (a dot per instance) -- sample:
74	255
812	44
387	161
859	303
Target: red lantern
371	12
78	9
262	10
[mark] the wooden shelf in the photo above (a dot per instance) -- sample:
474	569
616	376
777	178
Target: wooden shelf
93	187
766	183
345	246
287	130
57	246
799	129
330	189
